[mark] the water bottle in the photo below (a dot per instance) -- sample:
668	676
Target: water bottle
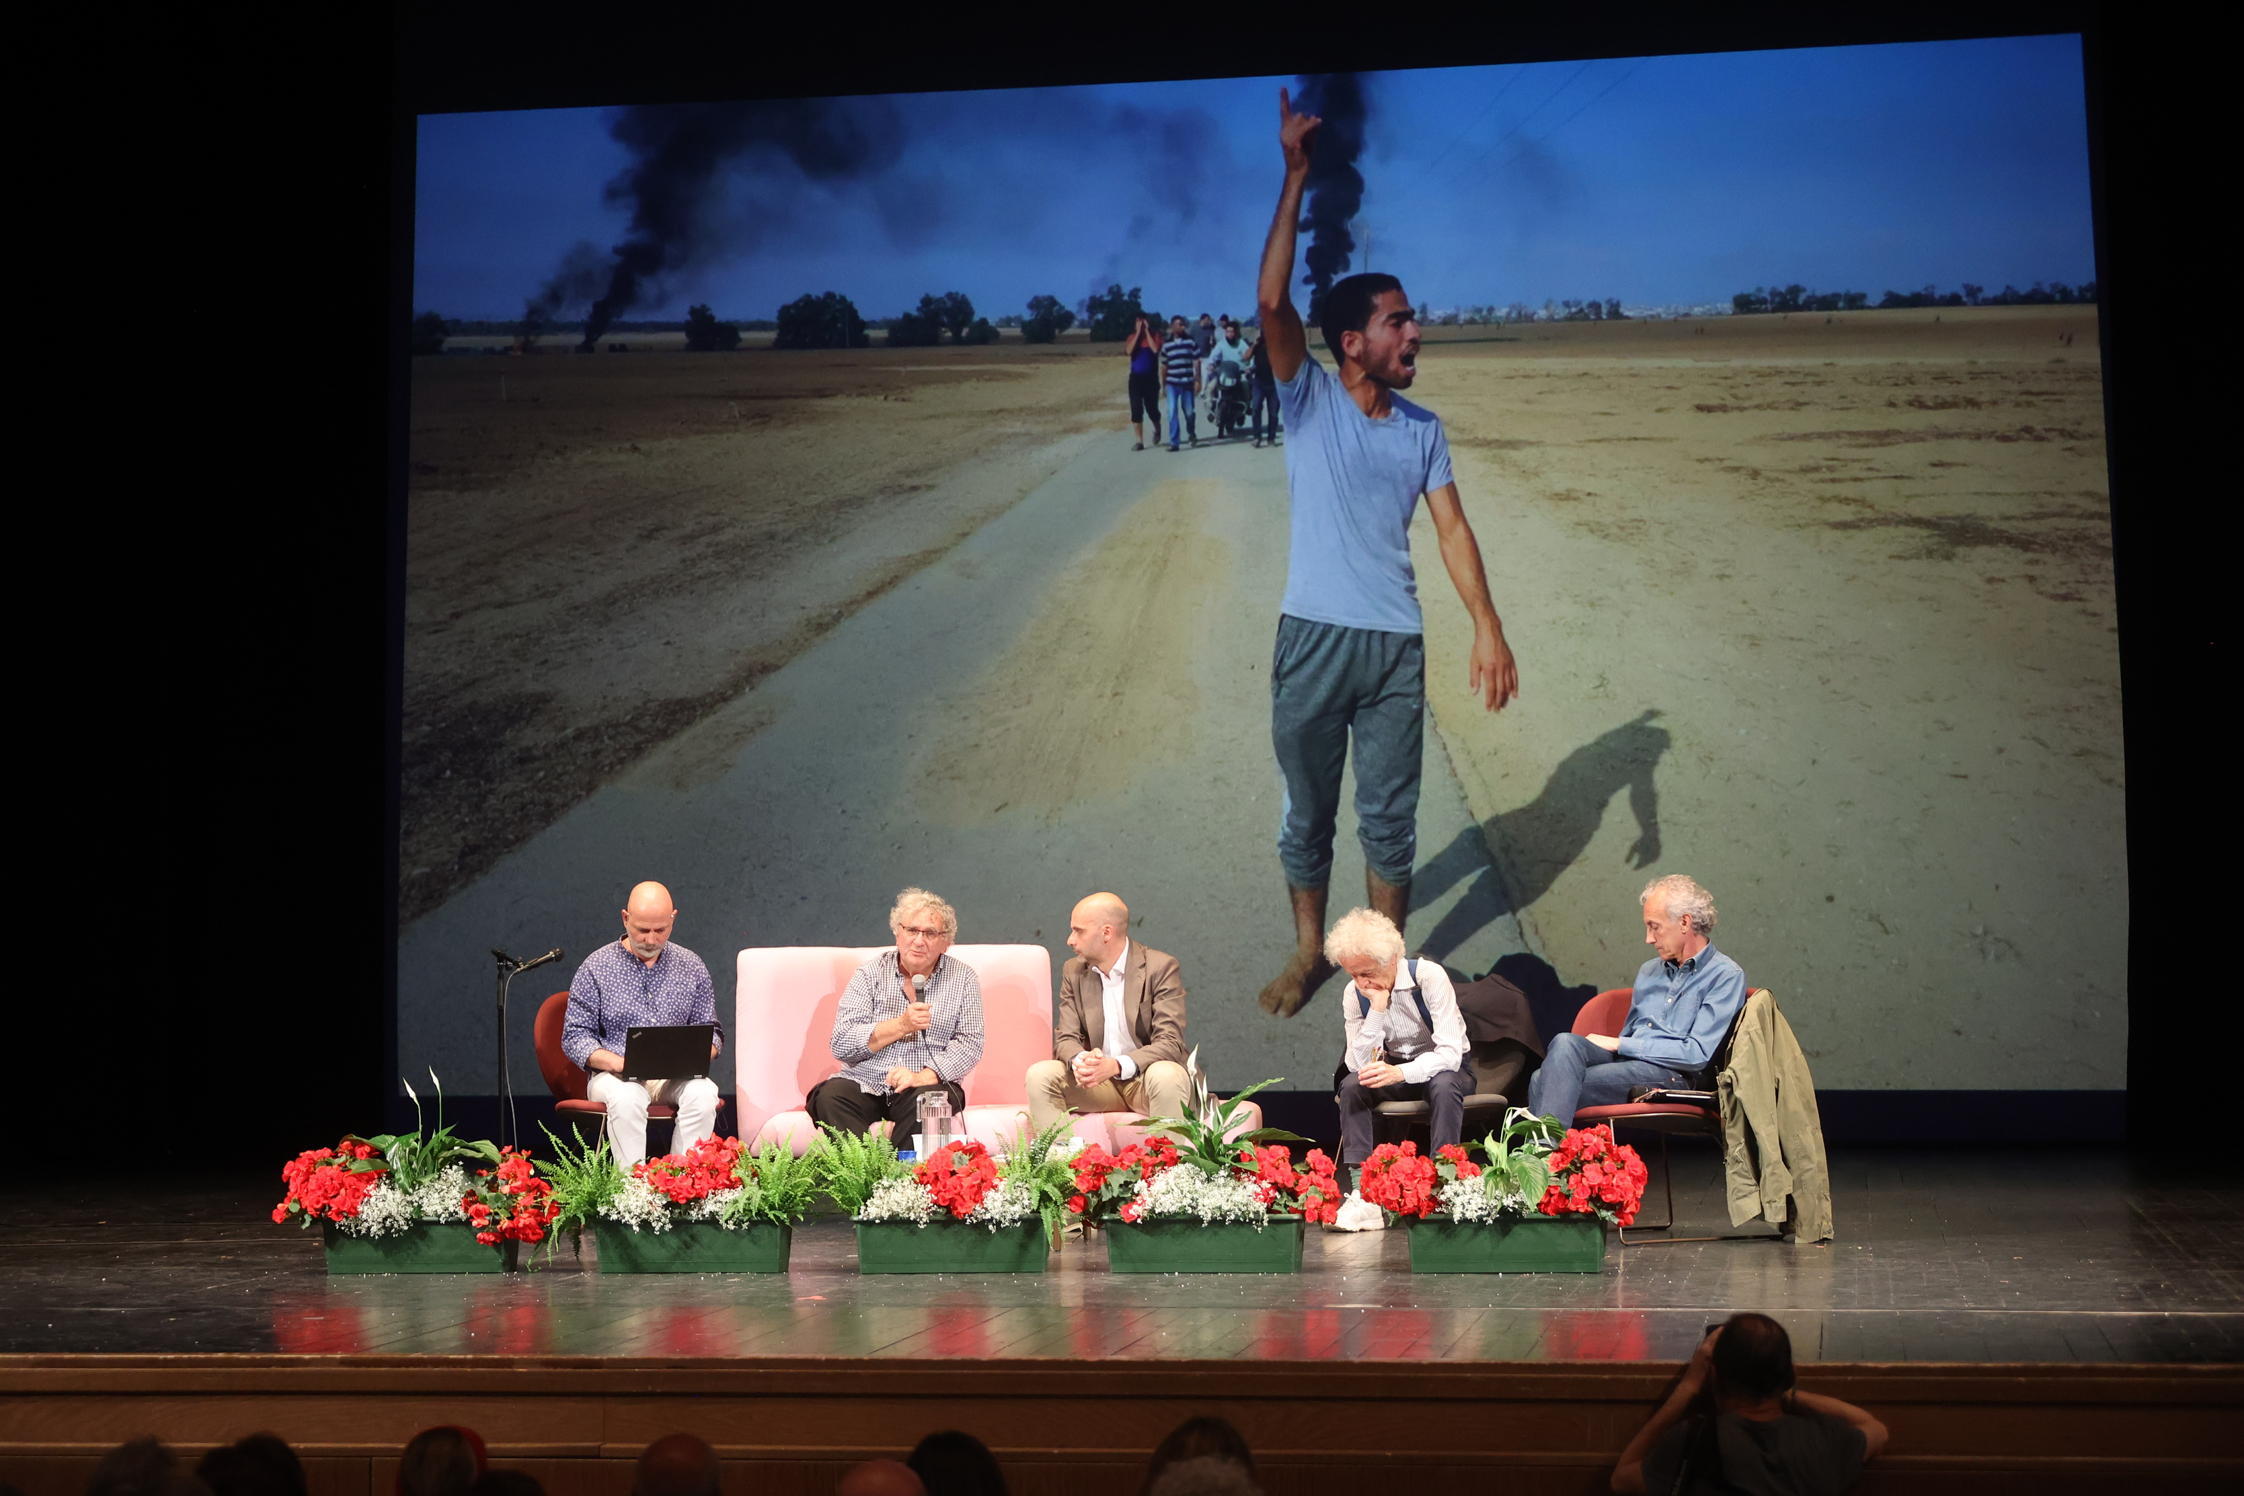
934	1121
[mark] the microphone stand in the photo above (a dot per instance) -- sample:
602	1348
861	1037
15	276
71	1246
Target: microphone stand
508	967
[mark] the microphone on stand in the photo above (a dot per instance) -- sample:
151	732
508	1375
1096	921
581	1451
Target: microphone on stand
552	955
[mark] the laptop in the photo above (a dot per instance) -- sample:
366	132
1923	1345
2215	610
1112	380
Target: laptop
676	1051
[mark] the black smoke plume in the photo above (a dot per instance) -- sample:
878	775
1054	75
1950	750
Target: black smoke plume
1336	188
677	153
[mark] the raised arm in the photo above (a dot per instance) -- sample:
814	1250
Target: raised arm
1281	324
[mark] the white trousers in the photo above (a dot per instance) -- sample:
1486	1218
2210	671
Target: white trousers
627	1102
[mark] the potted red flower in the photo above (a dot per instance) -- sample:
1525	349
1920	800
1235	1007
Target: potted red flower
418	1202
1538	1199
962	1209
1205	1196
715	1208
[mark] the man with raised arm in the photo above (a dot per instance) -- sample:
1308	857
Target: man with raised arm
641	980
1350	655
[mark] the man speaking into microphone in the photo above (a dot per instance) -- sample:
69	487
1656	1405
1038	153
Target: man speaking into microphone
642	980
910	1019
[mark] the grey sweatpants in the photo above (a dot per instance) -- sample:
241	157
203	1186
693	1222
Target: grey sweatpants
1328	682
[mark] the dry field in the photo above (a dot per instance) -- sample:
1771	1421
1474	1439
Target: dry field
1821	612
602	548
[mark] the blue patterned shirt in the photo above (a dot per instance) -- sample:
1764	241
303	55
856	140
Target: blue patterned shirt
951	1044
614	991
1679	1012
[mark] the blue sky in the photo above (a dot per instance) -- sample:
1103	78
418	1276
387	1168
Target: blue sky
1656	180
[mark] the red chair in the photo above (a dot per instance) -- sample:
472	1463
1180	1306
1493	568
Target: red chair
566	1079
1605	1014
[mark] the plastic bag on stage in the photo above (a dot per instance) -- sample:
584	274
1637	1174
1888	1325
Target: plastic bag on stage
1359	1214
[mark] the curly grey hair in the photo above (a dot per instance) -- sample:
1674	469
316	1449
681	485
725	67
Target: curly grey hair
1366	933
912	899
1681	898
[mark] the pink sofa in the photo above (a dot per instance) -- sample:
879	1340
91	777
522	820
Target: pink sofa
784	1020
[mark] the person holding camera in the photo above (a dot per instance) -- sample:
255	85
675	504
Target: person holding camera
1736	1422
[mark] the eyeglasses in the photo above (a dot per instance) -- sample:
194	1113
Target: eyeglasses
922	934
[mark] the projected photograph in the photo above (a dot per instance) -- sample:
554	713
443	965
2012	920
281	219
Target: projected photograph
779	529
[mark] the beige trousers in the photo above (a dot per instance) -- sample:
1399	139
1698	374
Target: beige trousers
1159	1090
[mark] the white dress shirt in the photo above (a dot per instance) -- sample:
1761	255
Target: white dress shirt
1117	1026
1400	1033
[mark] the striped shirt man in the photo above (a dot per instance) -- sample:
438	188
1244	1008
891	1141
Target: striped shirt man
1180	359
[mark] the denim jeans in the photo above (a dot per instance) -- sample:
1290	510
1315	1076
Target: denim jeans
1180	403
1330	684
1262	397
1577	1073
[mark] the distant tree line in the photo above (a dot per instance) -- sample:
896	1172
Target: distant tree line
1798	298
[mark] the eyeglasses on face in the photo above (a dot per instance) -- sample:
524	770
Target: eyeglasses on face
923	934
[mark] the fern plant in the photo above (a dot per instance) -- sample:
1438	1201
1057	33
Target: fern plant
776	1186
585	1177
850	1165
1049	1174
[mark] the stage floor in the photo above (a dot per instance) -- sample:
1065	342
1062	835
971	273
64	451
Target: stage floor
2053	1255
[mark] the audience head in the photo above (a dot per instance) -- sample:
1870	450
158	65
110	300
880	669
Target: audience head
955	1464
506	1483
676	1465
880	1478
142	1467
1199	1439
1204	1475
260	1465
1752	1359
440	1461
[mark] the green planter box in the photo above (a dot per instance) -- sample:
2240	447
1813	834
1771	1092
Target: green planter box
945	1245
1189	1247
423	1247
1546	1245
693	1247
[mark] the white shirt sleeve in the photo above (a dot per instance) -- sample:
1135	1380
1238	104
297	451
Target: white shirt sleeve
1364	1034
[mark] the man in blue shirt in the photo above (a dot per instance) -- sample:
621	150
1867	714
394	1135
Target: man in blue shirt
1350	657
641	980
1686	998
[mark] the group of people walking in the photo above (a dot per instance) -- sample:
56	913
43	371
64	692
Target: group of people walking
1190	360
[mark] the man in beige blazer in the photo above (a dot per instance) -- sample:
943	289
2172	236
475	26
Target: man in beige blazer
1119	1037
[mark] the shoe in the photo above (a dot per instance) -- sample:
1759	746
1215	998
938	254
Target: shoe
1258	444
1172	446
1140	447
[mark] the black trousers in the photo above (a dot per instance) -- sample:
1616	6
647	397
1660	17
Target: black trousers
838	1103
1446	1091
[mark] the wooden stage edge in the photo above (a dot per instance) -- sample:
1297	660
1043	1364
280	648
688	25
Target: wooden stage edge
787	1426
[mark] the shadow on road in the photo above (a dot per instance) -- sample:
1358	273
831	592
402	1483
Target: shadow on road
1514	858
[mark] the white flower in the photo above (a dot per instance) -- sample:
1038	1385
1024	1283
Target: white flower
440	1198
386	1211
904	1199
1471	1201
1011	1203
637	1204
1183	1191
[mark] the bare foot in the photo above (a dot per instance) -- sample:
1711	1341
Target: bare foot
1290	992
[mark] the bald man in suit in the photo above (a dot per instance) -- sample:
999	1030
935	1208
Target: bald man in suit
1119	1039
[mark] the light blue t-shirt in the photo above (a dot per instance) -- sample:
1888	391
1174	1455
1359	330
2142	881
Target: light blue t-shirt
1354	483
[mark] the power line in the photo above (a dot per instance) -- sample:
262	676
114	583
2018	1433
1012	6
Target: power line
1486	110
1546	136
1523	119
